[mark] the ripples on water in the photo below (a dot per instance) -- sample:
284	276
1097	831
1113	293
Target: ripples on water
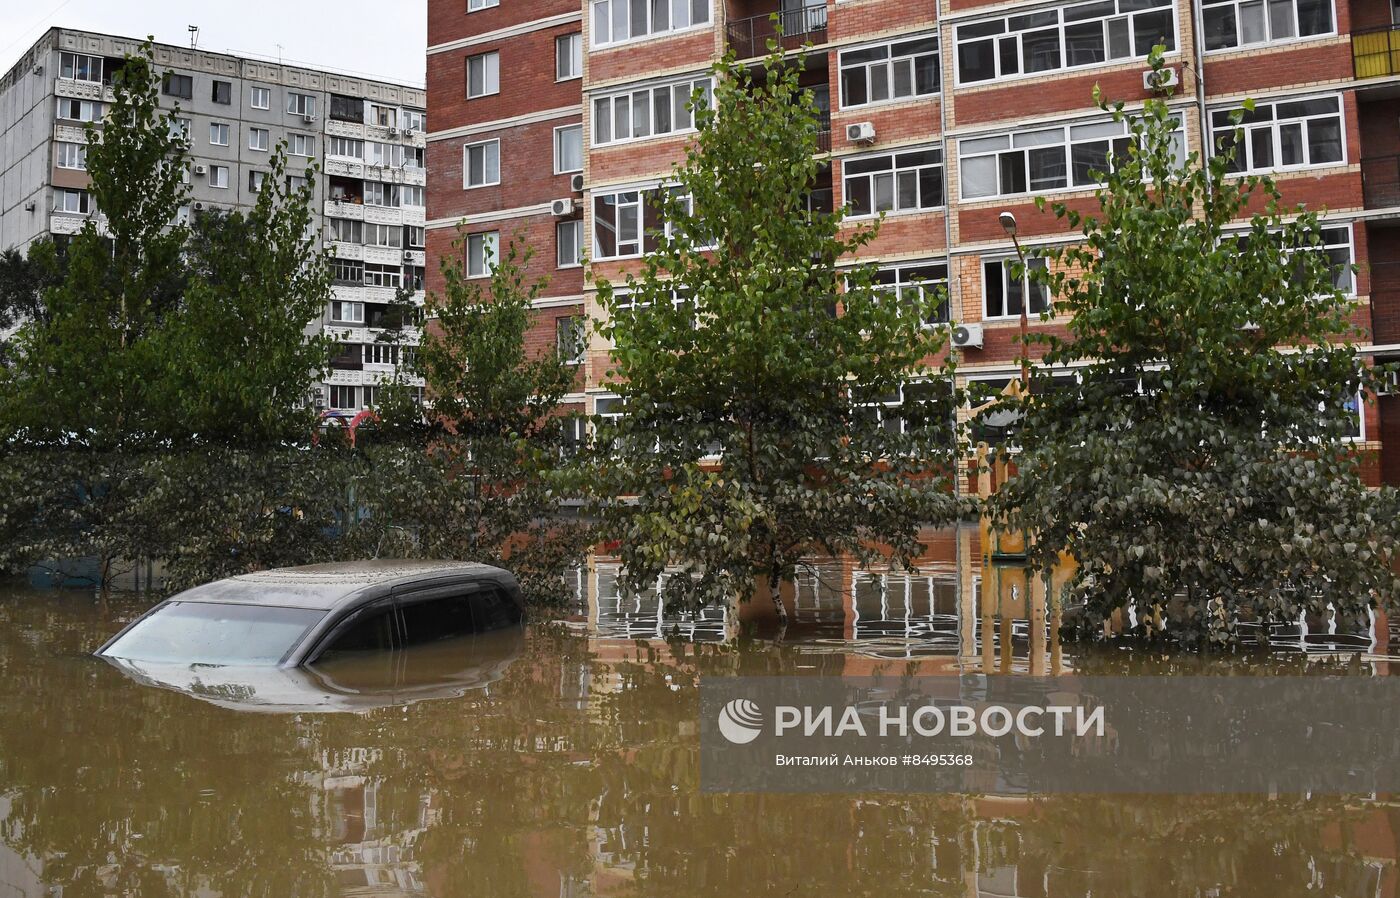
572	769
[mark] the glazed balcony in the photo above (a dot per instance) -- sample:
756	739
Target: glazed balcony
748	37
1380	181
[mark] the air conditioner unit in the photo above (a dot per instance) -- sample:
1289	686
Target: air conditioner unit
1160	79
576	183
408	132
967	336
861	132
309	117
560	208
200	169
408	255
393	132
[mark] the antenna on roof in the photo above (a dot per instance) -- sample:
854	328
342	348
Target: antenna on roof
194	35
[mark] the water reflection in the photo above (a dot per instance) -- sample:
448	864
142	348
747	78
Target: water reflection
573	770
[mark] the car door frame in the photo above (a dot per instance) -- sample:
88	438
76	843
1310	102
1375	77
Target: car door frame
353	616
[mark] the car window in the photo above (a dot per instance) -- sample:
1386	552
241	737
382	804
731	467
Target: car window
435	619
494	609
373	632
215	633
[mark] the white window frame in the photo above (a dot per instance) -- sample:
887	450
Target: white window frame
215	176
377	274
578	330
69	67
630	96
490	70
336	399
416	238
888	64
300	104
348	312
82	204
1276	144
906	281
219	129
575	57
1324	226
1060	13
69	155
893	172
263	145
93	108
301	145
558	166
337	227
386	235
485	147
478	243
1207	6
639	203
390	193
414	196
575	225
609	17
1005	263
479	5
1025	140
334	143
256	177
260	98
413	120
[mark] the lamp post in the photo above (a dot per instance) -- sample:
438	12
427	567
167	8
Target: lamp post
1008	224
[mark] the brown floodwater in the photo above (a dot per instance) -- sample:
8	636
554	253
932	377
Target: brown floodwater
564	762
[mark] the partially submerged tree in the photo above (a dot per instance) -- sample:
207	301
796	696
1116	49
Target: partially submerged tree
476	478
1192	449
760	373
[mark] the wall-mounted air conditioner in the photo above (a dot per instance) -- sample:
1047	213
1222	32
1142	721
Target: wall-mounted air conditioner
1160	79
200	170
967	336
576	183
861	132
561	208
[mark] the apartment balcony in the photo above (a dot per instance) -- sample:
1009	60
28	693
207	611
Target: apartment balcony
1380	181
1375	52
749	37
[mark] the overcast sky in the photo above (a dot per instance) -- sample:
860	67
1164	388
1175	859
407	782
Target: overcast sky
383	38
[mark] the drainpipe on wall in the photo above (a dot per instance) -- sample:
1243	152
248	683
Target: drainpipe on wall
1198	28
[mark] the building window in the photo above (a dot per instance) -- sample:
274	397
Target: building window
381	354
384	235
385	155
893	182
1069	37
259	139
483	74
79	110
343	397
618	224
66	199
179	128
218	134
481	254
346	230
301	145
1241	23
916	286
383	116
415	236
1002	294
383	276
1336	247
174	85
483	163
255	181
889	72
414	195
1283	135
222	92
301	104
413	120
568	57
615	21
377	193
345	147
1046	158
71	155
349	271
295	183
569	237
412	157
475	5
647	112
349	312
260	97
570	336
568	149
218	176
79	67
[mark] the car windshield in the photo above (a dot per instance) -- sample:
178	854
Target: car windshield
214	633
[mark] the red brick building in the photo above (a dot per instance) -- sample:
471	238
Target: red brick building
942	114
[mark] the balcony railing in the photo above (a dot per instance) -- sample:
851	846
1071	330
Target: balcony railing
749	37
1380	181
1375	52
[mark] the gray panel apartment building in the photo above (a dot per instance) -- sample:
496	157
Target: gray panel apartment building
368	137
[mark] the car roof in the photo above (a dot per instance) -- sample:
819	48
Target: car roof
328	586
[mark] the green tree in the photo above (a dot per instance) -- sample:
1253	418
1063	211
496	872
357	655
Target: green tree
748	339
1199	461
478	477
23	279
83	371
238	361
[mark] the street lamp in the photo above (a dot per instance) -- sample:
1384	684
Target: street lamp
1008	224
